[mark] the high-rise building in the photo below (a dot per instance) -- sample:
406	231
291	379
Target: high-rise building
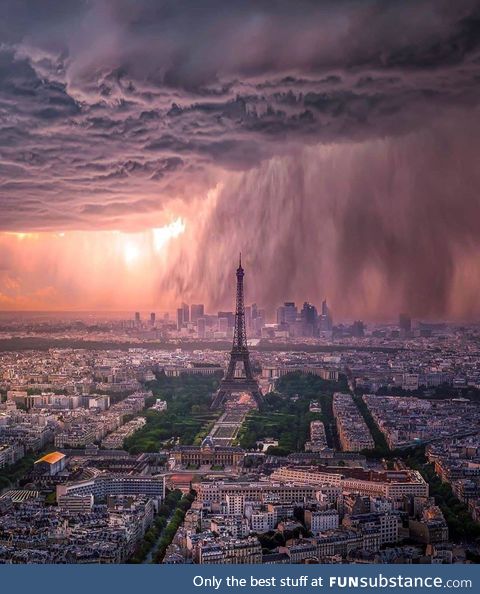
325	322
309	313
405	324
257	325
152	319
291	312
229	316
137	318
197	310
287	313
179	318
222	324
248	317
309	319
324	308
186	313
201	327
358	329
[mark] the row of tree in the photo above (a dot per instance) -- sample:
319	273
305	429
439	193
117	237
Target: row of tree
459	520
159	524
188	411
169	533
285	416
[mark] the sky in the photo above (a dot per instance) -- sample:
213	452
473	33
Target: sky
334	143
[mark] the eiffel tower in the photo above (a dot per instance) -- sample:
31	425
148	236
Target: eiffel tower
231	383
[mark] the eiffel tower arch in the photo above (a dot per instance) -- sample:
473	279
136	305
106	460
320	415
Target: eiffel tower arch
239	355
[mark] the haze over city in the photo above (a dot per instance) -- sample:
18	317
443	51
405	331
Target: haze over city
334	143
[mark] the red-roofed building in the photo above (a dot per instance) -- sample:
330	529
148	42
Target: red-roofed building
51	464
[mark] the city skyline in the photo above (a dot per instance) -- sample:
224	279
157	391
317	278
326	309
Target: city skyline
338	152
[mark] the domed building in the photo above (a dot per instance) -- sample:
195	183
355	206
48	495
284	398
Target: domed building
208	443
208	454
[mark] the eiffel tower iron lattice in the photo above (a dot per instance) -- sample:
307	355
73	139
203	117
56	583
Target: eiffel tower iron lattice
239	354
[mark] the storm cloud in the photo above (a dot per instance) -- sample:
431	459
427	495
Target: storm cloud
338	138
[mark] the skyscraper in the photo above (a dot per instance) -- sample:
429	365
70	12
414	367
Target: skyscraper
405	324
222	324
326	322
201	327
179	318
287	313
152	319
227	315
248	317
186	313
309	319
197	310
291	312
137	318
324	308
358	329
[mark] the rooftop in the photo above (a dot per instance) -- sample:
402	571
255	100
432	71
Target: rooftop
52	458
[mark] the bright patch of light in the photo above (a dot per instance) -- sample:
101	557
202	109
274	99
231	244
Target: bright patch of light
22	236
162	235
131	252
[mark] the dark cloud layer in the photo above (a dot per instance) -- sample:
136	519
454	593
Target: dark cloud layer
111	111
